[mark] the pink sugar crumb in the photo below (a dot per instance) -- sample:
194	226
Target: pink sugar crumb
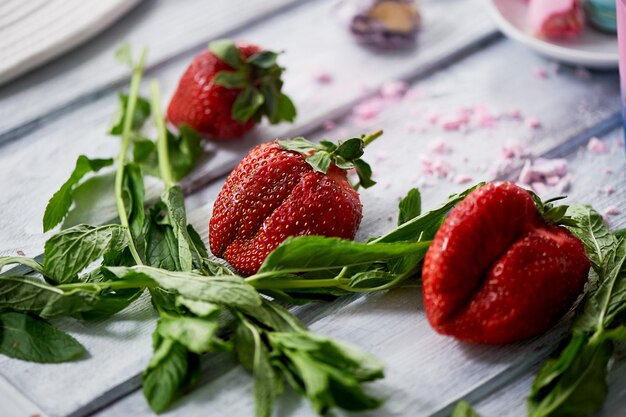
367	109
394	90
608	190
532	122
323	77
612	211
439	146
455	123
435	166
21	253
595	145
329	125
462	179
540	73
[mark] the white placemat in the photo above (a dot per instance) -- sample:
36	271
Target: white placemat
34	31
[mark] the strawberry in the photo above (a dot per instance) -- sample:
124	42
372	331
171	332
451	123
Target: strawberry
227	89
497	271
287	188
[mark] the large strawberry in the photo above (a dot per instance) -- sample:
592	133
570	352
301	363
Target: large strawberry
497	271
287	188
227	89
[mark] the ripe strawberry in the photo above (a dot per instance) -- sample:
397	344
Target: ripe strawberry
227	89
497	272
287	188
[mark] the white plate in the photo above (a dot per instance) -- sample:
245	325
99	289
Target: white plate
35	31
592	48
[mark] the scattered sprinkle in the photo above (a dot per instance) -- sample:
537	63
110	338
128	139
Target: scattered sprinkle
608	171
323	77
532	122
440	146
608	190
368	109
595	145
540	73
21	253
394	90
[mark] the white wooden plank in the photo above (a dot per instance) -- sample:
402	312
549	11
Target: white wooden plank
66	134
170	27
14	403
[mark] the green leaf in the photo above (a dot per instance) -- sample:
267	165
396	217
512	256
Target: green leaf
608	300
415	228
22	260
124	55
286	109
575	384
300	145
263	59
594	234
166	375
70	251
199	335
364	172
410	206
228	291
227	51
231	79
351	149
246	104
133	194
198	308
312	253
320	161
464	409
184	150
174	201
61	201
92	197
371	279
33	339
161	247
142	113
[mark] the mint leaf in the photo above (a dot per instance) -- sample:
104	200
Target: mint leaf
246	104
464	409
70	251
227	51
142	113
410	206
33	339
199	335
319	161
174	201
133	192
61	201
22	260
231	79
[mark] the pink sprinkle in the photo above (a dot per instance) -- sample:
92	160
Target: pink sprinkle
595	145
368	109
394	89
612	211
456	123
21	253
432	117
540	73
532	122
608	171
323	77
329	125
439	146
462	179
609	190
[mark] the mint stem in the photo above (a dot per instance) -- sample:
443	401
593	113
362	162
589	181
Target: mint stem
163	151
133	92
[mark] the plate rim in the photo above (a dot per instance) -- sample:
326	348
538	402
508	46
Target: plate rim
601	60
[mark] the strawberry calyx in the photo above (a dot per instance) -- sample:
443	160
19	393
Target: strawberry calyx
343	154
551	213
259	78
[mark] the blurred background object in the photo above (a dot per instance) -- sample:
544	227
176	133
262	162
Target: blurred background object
35	31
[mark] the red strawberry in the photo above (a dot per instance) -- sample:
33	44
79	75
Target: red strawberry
497	272
282	189
227	89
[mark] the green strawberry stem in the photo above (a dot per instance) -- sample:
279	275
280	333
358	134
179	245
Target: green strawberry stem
162	150
121	159
367	139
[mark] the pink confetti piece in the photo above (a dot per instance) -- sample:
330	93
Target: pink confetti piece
440	146
532	122
394	90
595	145
462	179
323	77
540	73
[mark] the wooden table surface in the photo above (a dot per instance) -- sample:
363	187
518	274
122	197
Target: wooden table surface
55	113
